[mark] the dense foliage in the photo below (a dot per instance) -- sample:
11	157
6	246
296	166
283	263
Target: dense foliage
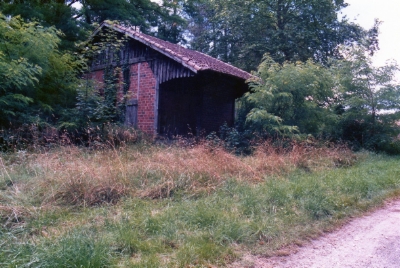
292	97
351	100
76	18
36	79
241	32
369	101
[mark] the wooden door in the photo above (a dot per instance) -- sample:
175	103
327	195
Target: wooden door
131	113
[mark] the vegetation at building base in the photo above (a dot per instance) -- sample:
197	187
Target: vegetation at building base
168	206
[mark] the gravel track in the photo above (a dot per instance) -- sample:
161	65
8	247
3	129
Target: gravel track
370	241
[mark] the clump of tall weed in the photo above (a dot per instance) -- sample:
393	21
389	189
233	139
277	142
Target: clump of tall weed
78	177
42	136
270	158
81	192
11	216
29	137
74	249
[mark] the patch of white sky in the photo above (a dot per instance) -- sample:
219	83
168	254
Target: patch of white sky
77	5
364	13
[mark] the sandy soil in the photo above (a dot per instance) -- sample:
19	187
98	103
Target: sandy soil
370	241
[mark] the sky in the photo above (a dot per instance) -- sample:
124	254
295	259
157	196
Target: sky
364	13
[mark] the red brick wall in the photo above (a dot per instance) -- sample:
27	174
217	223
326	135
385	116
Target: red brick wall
142	88
98	77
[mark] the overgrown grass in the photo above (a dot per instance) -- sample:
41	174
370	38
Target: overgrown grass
168	206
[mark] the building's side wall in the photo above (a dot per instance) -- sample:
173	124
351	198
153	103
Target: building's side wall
143	88
147	68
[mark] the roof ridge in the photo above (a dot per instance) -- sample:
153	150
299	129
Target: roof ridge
192	59
222	61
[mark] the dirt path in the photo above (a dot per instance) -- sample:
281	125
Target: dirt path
370	241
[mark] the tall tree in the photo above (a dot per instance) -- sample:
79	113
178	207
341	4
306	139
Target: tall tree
242	31
172	29
36	79
369	98
76	18
60	14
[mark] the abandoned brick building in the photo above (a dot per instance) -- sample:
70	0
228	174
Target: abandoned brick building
174	90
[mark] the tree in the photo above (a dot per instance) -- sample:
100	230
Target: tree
36	79
369	99
241	32
51	13
217	27
291	97
172	29
77	23
350	100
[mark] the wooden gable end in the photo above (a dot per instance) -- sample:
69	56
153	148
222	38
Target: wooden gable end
163	67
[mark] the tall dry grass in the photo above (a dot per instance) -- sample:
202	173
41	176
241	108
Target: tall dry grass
77	176
54	204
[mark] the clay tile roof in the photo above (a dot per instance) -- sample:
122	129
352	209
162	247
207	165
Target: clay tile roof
193	60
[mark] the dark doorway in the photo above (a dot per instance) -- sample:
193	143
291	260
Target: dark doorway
180	107
197	105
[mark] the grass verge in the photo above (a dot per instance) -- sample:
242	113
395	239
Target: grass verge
157	206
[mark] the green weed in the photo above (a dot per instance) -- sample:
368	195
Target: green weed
76	249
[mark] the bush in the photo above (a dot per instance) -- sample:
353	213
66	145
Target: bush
232	140
391	147
43	135
28	137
